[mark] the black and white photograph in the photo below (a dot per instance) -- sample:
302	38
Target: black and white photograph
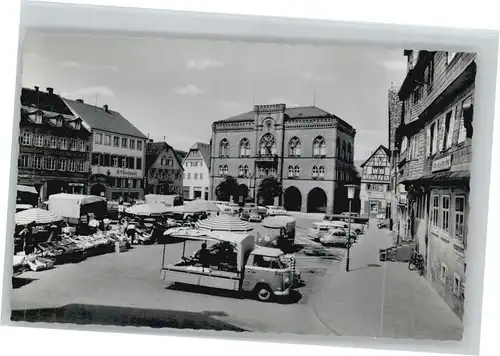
244	186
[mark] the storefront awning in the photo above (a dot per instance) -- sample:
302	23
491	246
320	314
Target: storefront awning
441	177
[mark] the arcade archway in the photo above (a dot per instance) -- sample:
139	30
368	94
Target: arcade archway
293	199
242	194
316	201
98	189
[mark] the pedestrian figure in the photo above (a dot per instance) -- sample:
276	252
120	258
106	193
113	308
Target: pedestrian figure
131	233
27	234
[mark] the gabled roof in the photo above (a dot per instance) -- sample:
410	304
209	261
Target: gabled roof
100	119
44	101
204	149
154	149
292	113
385	149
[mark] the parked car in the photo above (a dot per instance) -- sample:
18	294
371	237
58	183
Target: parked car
335	237
262	211
275	210
356	215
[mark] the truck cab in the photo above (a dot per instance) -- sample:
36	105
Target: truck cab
267	274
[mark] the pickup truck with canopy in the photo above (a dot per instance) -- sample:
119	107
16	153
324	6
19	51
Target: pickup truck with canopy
235	264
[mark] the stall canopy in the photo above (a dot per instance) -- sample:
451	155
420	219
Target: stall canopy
26	189
196	206
224	223
148	209
274	222
39	216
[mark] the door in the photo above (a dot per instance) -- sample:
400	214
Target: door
263	269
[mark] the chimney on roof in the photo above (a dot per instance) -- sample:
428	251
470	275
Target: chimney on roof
50	90
80	100
37	89
105	106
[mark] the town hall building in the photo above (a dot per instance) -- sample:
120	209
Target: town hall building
310	151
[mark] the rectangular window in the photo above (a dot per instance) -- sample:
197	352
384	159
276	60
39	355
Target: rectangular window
123	162
26	138
38	140
49	163
123	182
432	139
37	162
83	146
456	284
63	143
443	273
73	145
115	161
459	217
71	166
189	176
131	144
116	141
138	163
107	140
195	176
462	132
124	142
23	161
201	174
130	162
139	145
62	165
445	223
447	131
435	211
98	139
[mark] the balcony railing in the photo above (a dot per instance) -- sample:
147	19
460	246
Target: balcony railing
266	157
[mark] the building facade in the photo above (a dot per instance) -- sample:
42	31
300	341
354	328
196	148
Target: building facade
164	169
54	146
196	166
118	152
434	141
375	182
308	150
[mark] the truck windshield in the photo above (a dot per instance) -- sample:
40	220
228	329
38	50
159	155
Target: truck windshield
283	261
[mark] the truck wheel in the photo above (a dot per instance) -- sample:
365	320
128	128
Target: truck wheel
264	293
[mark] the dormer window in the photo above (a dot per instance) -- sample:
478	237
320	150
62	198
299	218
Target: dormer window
38	118
77	125
59	122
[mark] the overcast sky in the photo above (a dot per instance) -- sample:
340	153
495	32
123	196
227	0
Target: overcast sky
177	88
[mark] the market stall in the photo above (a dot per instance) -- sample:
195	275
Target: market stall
224	223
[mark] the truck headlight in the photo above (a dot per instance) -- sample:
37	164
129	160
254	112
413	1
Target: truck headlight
267	238
286	280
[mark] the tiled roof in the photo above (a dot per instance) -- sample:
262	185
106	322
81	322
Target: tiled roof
100	119
44	101
154	149
292	113
204	149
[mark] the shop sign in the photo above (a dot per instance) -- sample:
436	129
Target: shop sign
441	164
75	184
97	178
126	173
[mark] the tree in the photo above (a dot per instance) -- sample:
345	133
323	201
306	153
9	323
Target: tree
270	188
227	188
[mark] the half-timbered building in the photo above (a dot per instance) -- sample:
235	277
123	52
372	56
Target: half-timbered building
434	141
375	181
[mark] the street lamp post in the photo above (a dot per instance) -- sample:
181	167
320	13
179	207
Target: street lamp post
351	189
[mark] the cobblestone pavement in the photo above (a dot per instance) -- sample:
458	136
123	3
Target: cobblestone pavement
383	299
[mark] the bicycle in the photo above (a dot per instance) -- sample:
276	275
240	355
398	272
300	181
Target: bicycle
416	263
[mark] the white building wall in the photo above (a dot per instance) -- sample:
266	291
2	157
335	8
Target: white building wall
196	176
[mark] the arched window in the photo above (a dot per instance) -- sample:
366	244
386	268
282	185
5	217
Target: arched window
261	172
240	171
344	151
294	147
272	172
338	147
315	172
244	148
267	145
290	171
224	148
266	172
223	169
245	170
321	172
297	171
319	146
349	153
226	170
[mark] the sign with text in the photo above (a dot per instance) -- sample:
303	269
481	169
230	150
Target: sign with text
126	172
441	164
